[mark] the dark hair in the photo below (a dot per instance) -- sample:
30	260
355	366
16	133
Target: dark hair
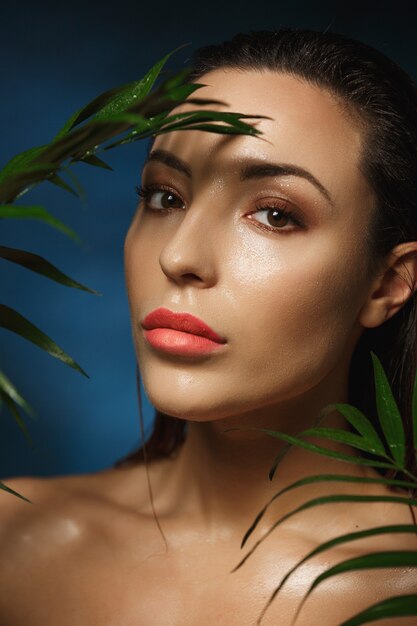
383	99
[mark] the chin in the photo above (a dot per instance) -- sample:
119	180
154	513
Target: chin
186	406
189	412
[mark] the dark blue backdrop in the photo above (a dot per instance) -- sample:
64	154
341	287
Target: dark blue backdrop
54	59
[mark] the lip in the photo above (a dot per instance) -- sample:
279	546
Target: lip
185	322
179	343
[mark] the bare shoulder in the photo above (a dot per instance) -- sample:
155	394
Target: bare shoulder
73	531
38	510
69	520
72	507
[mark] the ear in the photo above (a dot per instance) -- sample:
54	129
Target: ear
391	289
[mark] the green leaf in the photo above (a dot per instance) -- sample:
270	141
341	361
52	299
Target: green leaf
295	441
359	421
7	387
36	212
38	264
233	119
60	182
354	536
15	493
317	478
77	186
194	117
319	449
14	411
17	182
389	558
156	126
337	541
395	606
75	143
110	98
200	101
148	125
124	117
120	123
78	142
214	128
93	159
87	111
20	162
13	321
133	92
179	93
177	80
373	560
326	500
388	413
342	436
278	459
68	125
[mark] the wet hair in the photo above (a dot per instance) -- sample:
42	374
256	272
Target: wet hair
382	98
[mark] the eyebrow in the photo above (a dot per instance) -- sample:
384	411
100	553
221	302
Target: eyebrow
249	170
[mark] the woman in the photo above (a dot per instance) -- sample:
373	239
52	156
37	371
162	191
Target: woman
296	252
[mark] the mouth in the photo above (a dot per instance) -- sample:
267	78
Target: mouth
180	343
180	333
184	322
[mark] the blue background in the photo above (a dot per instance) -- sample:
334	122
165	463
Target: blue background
54	59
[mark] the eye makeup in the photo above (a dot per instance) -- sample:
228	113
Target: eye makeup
278	207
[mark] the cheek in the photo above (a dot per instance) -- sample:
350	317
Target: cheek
287	305
140	265
295	304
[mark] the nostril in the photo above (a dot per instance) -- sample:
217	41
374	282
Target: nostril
192	276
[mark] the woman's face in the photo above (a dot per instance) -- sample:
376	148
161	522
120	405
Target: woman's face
286	295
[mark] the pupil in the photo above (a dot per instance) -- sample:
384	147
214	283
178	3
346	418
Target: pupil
277	215
170	200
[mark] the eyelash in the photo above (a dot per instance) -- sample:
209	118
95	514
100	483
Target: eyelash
146	191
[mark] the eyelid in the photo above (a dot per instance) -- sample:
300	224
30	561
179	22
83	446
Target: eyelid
262	204
156	186
283	185
151	188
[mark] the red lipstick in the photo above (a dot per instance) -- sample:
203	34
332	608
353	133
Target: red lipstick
180	333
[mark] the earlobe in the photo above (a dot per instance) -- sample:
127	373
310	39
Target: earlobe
392	289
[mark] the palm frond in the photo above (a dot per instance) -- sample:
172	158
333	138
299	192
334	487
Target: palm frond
37	212
318	478
393	457
17	323
396	606
38	264
120	115
7	388
389	414
389	558
335	498
337	541
15	413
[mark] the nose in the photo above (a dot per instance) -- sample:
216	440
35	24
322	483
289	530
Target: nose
189	254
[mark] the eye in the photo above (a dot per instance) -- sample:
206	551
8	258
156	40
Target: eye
170	200
164	196
276	217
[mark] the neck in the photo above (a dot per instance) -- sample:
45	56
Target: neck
220	479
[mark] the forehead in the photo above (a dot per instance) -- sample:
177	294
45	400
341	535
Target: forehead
309	127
